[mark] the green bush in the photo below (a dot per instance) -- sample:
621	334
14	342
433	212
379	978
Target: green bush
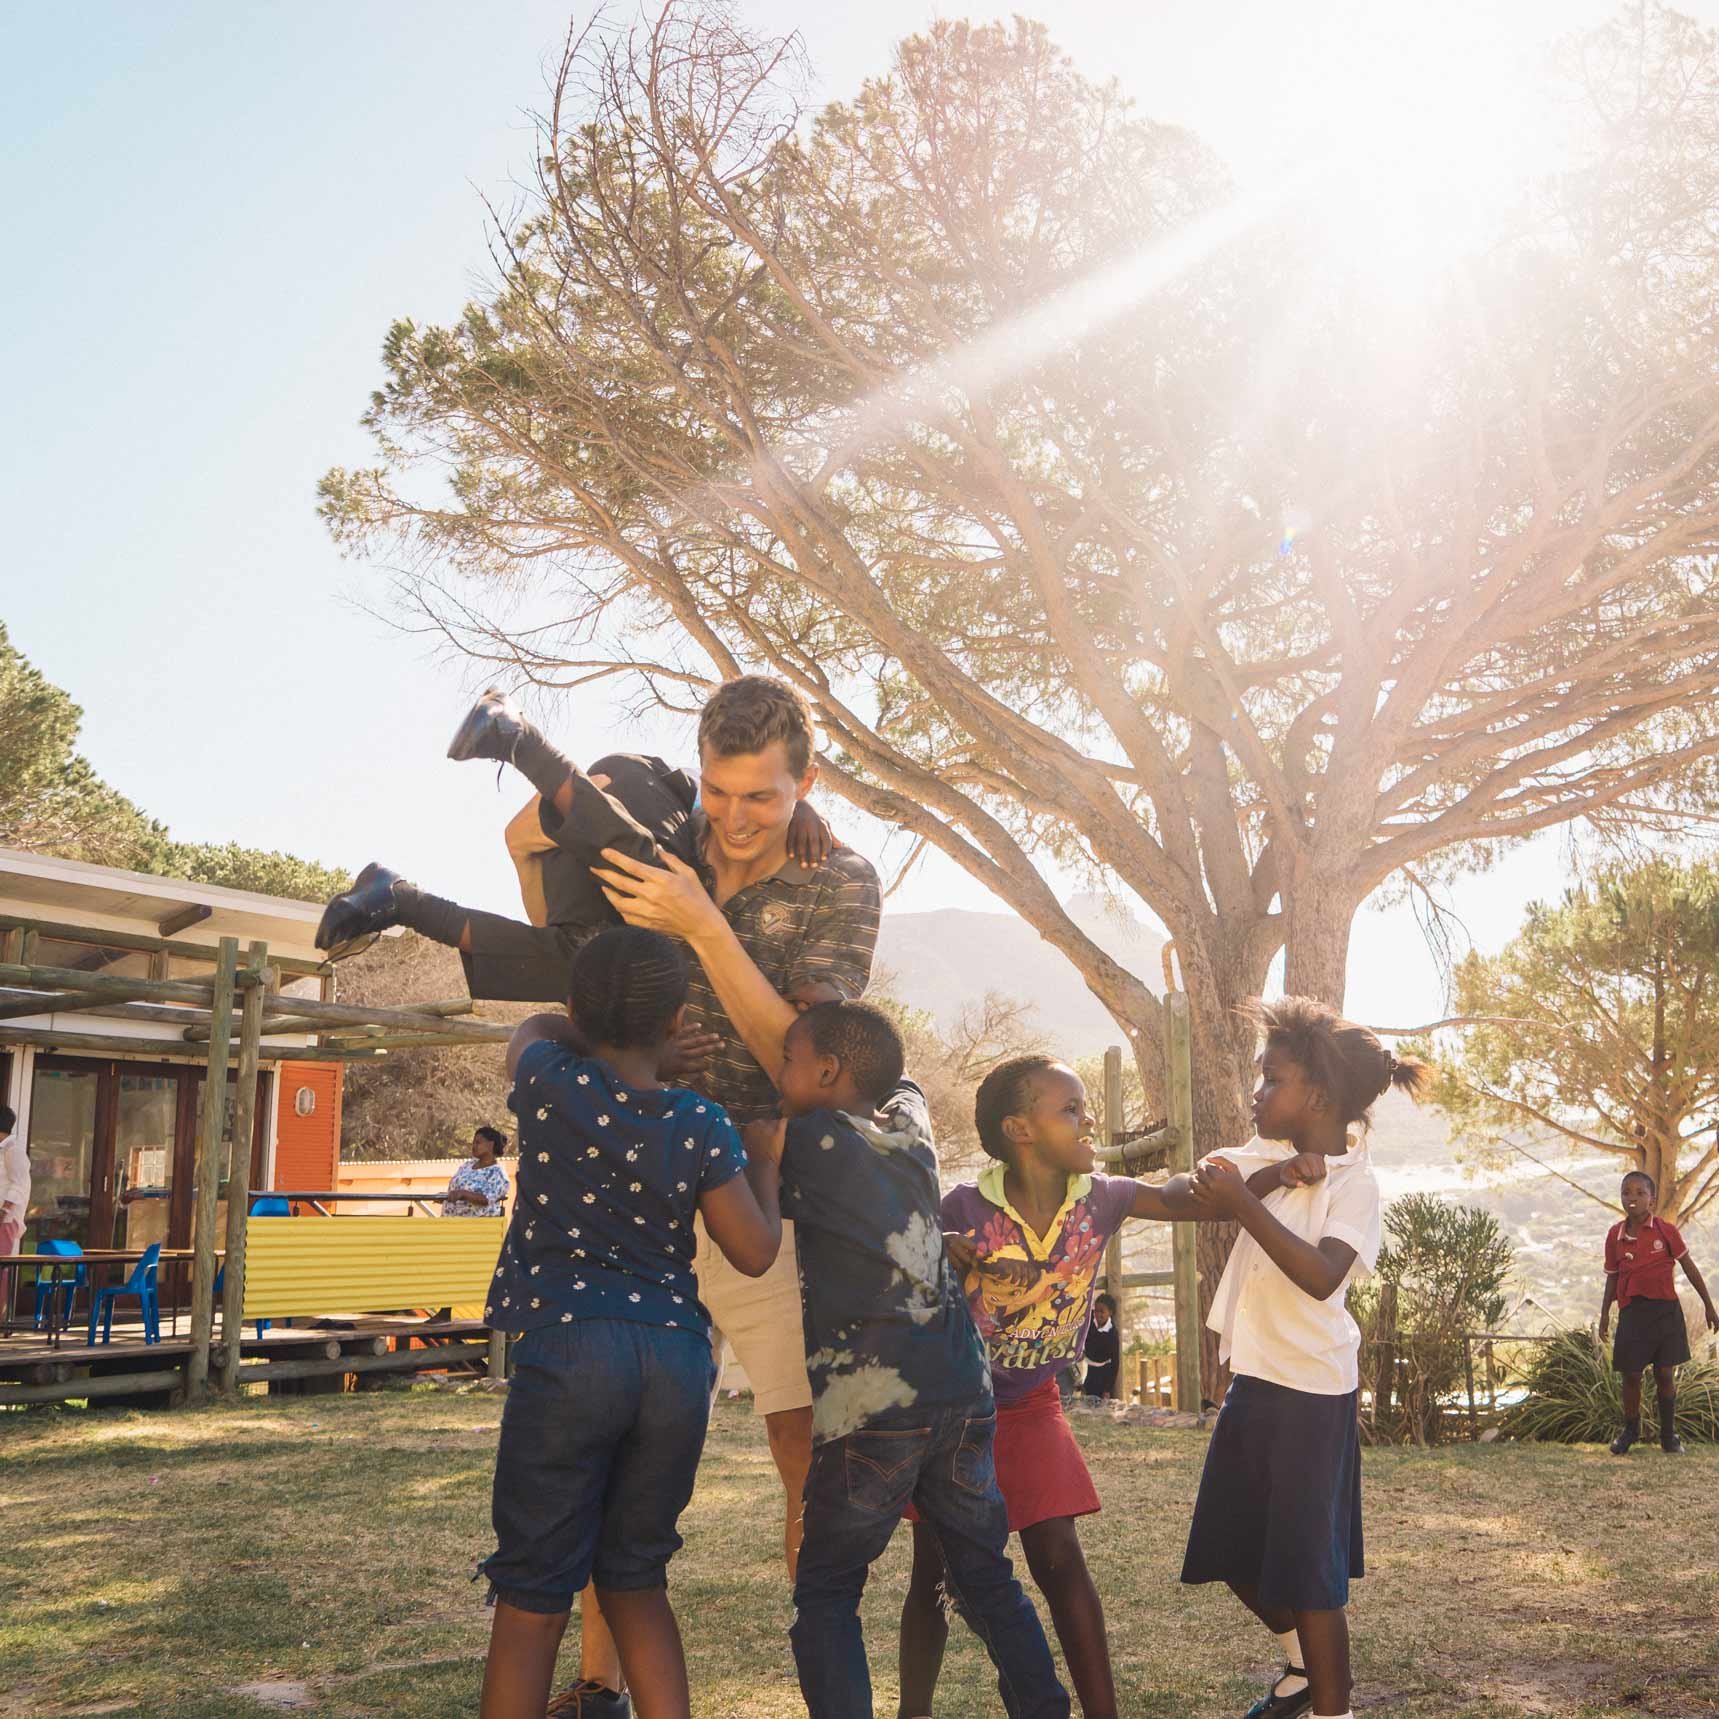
1574	1397
1440	1278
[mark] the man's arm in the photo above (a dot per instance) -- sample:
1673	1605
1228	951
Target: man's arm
672	899
1693	1274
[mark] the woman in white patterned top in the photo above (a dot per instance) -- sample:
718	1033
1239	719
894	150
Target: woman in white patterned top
478	1188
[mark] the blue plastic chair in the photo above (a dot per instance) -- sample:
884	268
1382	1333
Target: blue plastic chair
141	1283
268	1206
45	1288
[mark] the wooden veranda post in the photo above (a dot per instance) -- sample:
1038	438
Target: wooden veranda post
211	1125
239	1172
1178	1043
1112	1137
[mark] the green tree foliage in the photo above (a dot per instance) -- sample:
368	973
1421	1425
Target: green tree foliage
260	869
1599	1024
52	802
1440	1276
1104	519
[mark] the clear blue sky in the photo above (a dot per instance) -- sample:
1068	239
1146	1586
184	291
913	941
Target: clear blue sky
215	210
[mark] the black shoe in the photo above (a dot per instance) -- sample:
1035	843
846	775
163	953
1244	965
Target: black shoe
1631	1432
587	1700
1271	1705
491	730
368	907
1669	1442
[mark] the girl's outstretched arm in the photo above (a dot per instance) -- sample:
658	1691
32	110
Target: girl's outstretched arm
1180	1200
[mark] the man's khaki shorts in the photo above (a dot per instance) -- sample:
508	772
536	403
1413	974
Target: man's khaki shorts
760	1316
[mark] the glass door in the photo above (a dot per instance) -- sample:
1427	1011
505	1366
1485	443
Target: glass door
68	1160
146	1122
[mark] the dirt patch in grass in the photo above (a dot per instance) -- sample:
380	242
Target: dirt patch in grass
175	1559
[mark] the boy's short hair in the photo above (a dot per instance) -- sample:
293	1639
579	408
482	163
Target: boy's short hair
1006	1091
8	1119
744	716
864	1040
1640	1176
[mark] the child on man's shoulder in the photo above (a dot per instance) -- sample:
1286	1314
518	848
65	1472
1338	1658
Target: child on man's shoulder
902	1407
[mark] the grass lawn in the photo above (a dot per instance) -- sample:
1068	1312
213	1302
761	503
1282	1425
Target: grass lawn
158	1562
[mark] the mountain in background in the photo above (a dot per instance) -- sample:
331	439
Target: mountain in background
946	960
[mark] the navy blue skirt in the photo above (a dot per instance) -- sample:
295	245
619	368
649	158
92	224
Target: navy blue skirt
1280	1499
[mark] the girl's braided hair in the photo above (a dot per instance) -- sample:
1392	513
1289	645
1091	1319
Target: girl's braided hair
1006	1091
626	987
1348	1063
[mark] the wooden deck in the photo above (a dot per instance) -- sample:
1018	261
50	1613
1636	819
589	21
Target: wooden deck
26	1356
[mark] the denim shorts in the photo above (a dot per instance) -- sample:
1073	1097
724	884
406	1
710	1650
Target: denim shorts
600	1441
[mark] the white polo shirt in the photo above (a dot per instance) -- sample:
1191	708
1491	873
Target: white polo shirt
1270	1329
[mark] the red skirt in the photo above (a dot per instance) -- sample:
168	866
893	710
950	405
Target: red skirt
1040	1471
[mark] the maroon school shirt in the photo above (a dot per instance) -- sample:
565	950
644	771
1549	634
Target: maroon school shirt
1645	1263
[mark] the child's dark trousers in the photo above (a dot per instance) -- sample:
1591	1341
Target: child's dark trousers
940	1460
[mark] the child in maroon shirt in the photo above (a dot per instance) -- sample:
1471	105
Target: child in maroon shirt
1641	1254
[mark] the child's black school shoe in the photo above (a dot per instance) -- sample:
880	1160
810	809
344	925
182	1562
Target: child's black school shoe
1274	1706
1669	1442
1631	1432
588	1700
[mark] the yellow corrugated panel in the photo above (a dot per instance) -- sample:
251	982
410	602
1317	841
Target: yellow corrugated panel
305	1266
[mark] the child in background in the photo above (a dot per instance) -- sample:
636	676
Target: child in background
1278	1515
1641	1257
1103	1350
606	1413
1029	1240
901	1403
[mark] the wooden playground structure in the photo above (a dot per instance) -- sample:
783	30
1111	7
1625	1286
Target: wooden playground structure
1168	1145
210	1004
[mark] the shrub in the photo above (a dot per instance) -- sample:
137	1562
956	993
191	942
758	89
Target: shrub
1440	1277
1574	1397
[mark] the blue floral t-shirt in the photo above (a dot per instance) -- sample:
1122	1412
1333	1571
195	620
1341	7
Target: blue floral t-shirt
608	1184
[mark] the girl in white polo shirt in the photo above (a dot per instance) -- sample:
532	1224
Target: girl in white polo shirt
1279	1510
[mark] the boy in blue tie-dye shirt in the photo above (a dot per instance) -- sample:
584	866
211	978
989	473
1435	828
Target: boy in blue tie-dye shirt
901	1397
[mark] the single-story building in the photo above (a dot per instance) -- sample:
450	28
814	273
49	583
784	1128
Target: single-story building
105	1099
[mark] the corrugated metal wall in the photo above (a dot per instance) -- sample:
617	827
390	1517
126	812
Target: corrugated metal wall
304	1266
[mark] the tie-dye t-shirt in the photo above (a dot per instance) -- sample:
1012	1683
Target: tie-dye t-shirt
1034	1319
886	1325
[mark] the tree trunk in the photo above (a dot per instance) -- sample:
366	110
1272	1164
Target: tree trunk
1217	981
1317	917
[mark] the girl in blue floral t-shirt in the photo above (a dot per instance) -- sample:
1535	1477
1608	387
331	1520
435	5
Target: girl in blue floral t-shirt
606	1413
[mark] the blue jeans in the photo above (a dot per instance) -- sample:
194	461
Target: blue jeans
600	1442
855	1494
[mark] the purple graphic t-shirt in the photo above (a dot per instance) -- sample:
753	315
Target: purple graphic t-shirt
1035	1326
